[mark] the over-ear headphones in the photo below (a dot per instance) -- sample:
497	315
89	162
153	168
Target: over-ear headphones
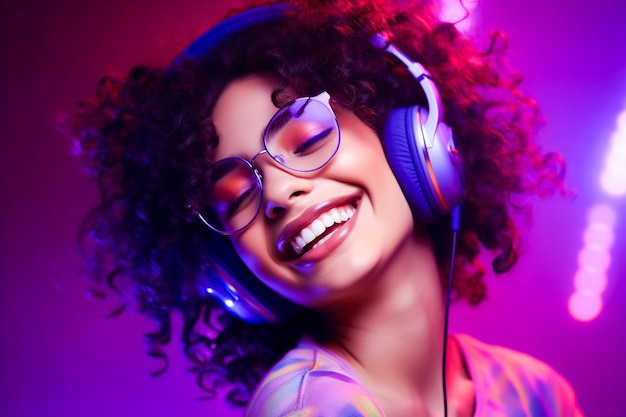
419	148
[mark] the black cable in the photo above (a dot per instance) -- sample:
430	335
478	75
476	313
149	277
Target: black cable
456	220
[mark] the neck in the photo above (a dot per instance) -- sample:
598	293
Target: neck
392	333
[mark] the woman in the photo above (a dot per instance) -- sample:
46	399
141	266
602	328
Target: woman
295	168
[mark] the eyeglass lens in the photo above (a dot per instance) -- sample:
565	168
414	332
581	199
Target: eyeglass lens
302	136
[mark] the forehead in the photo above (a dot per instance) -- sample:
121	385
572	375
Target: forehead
241	113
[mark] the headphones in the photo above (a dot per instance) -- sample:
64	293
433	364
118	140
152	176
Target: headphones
419	148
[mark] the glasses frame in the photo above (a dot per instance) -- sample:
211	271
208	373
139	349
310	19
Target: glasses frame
323	98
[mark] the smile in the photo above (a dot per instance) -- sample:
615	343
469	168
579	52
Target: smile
320	229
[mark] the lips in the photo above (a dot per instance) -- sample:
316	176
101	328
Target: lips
314	227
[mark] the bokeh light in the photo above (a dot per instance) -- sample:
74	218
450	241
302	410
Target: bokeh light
602	214
594	259
459	12
613	178
585	306
613	183
590	280
599	234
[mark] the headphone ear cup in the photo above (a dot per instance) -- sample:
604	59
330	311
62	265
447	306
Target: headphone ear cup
405	159
241	293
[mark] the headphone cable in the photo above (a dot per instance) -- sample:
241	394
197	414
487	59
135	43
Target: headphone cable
455	226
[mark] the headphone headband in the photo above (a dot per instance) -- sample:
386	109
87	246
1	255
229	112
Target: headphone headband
423	77
230	26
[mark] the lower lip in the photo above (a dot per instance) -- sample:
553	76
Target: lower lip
336	238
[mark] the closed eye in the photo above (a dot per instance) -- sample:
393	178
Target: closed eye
311	143
240	202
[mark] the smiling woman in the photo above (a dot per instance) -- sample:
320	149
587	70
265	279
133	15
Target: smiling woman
329	166
292	251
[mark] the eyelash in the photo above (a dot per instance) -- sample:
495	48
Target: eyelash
237	202
313	140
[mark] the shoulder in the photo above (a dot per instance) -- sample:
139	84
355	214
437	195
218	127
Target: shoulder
508	378
309	381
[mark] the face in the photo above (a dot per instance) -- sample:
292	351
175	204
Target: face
352	205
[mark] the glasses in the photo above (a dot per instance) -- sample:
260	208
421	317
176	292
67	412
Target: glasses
302	136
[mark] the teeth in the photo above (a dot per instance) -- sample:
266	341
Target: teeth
327	220
322	240
319	226
334	213
308	235
299	242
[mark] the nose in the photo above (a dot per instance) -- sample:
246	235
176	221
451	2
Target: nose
282	188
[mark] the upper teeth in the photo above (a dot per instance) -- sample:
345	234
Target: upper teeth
319	226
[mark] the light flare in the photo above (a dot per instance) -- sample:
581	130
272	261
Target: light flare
594	259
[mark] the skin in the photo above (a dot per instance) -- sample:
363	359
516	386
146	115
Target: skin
375	271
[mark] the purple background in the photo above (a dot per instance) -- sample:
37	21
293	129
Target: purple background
61	356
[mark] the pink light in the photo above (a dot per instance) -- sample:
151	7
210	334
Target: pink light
613	183
593	261
616	157
594	257
585	306
613	178
599	234
602	214
453	11
618	140
590	280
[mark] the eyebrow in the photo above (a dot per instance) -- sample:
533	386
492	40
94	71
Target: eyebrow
240	155
281	119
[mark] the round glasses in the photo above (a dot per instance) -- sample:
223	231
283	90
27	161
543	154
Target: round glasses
302	136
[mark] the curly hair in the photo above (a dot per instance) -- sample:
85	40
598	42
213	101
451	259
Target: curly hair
147	136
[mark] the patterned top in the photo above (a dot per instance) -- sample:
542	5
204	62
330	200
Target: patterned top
313	382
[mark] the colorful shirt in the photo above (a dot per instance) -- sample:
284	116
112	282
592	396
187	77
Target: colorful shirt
312	382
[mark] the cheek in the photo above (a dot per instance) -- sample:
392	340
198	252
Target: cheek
385	218
254	249
362	156
361	150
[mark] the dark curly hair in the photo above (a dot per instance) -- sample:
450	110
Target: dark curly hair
146	138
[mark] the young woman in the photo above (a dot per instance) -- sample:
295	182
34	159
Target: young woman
290	182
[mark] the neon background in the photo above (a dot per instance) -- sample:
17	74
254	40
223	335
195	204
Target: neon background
59	353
